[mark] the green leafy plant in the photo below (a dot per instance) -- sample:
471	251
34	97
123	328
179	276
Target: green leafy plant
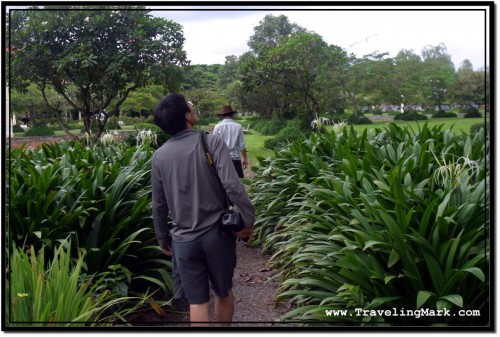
57	295
384	219
100	197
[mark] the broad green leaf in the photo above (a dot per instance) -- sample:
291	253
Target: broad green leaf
422	297
393	258
476	272
455	299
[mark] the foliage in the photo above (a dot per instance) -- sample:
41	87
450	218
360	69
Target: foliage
291	132
17	128
385	219
439	73
57	295
410	116
288	77
358	119
269	32
201	76
470	86
99	196
161	136
104	53
268	127
207	101
476	128
31	104
143	100
471	112
408	81
442	114
290	71
40	129
206	120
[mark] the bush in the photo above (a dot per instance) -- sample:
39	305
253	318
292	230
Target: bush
471	112
410	116
39	130
269	127
291	132
100	196
110	126
443	114
17	128
477	127
359	119
206	120
385	219
54	295
74	126
94	129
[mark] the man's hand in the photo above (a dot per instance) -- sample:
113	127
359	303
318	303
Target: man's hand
167	251
245	163
246	232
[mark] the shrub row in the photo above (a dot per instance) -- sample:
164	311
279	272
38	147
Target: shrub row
389	218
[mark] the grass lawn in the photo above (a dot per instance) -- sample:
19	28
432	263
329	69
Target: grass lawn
255	147
455	124
254	142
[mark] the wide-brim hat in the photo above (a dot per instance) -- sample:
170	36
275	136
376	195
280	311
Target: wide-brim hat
226	110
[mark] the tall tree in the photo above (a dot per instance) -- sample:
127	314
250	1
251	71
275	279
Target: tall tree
301	64
104	52
470	86
228	72
408	79
439	73
253	89
269	32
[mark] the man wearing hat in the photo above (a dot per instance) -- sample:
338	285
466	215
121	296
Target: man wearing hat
232	133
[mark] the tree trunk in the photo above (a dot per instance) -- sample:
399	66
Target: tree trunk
63	126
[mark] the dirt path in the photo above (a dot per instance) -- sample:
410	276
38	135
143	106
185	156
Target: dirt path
255	290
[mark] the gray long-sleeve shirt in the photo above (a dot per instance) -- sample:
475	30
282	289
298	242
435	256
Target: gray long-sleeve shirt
186	189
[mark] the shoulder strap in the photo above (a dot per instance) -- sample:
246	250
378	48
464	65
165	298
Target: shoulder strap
208	155
211	163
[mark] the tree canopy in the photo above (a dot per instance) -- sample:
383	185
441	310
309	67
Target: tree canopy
102	53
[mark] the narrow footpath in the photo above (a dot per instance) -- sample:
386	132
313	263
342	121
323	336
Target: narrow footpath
254	294
255	290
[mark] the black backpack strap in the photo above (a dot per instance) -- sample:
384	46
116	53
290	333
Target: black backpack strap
208	154
211	163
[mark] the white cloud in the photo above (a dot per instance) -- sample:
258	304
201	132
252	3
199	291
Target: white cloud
211	35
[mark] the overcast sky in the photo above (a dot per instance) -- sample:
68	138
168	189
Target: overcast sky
212	34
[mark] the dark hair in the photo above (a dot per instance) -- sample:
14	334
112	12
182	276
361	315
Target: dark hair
169	115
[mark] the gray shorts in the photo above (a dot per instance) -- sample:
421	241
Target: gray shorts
210	257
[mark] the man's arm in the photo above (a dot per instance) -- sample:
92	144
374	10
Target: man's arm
245	159
243	147
230	180
160	210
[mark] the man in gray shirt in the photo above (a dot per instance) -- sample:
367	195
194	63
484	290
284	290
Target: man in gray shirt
185	190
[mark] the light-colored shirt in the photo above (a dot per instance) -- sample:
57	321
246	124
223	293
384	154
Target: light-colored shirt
232	134
185	189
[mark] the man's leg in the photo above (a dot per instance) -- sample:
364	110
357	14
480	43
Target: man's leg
199	313
224	308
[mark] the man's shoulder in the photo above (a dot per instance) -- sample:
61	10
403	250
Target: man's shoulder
235	124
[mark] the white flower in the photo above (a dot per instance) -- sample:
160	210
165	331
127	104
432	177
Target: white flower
146	136
108	138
